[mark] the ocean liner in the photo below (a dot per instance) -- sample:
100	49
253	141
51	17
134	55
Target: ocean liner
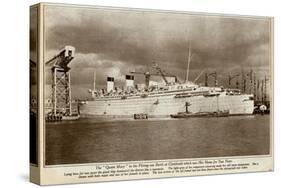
163	100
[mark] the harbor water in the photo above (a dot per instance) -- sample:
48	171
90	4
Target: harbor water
91	140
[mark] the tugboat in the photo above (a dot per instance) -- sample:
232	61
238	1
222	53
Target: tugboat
188	114
201	114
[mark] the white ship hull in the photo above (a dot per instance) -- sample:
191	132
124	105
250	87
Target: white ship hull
167	104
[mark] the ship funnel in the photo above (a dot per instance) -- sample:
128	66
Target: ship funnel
110	84
129	81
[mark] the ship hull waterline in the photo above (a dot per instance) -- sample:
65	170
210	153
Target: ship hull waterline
166	105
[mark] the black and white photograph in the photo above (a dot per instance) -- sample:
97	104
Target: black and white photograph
126	85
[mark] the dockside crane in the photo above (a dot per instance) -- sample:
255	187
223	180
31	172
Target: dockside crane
214	75
250	75
243	81
230	78
255	87
161	73
148	75
262	91
265	88
61	91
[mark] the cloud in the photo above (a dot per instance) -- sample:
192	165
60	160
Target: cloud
115	41
33	35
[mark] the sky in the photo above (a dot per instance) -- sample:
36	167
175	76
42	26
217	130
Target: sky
113	42
33	52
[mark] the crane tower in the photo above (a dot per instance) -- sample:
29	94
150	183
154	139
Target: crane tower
61	91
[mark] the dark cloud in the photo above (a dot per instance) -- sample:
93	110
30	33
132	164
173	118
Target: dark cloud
126	39
33	34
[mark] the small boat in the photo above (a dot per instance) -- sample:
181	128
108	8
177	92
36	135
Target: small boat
183	95
124	97
140	116
70	118
211	95
201	114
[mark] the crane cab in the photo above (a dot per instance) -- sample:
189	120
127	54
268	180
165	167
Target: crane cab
68	51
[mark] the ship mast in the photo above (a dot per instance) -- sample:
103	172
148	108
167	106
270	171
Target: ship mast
188	63
94	84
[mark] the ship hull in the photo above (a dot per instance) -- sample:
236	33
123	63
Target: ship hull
165	105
